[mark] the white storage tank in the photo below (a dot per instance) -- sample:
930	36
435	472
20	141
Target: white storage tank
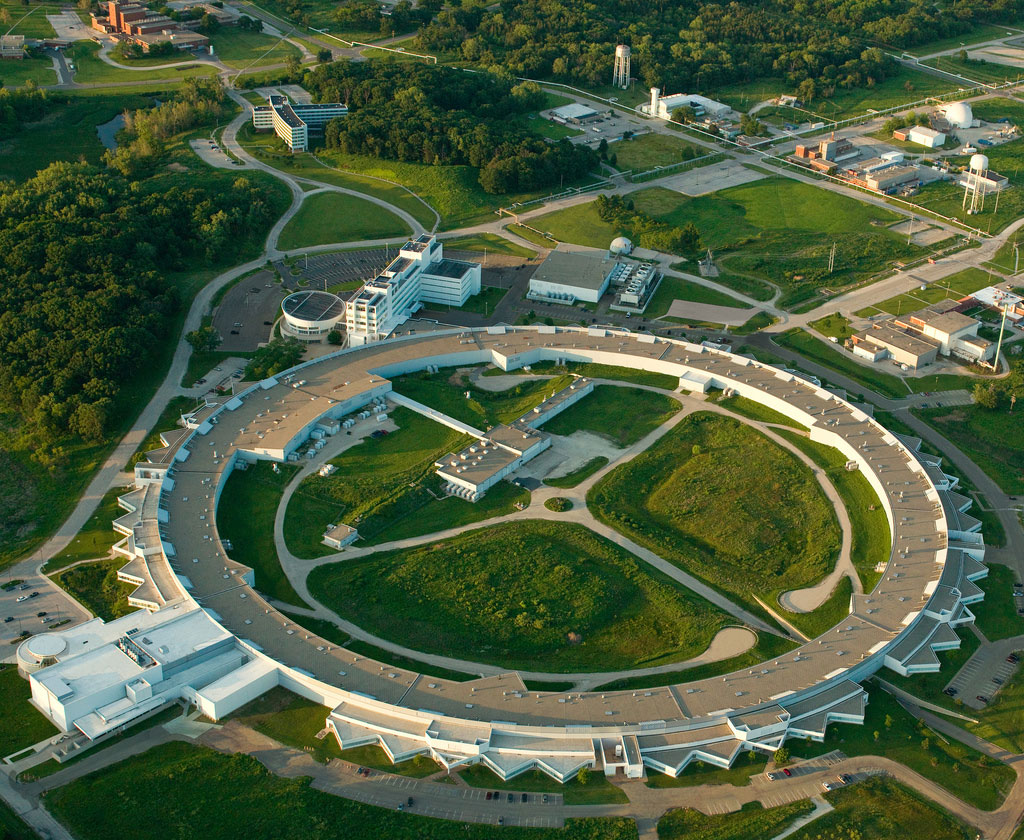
381	418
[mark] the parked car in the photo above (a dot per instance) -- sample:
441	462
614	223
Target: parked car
787	771
409	802
1013	658
544	799
951	692
33	595
489	795
981	699
21	598
9	618
772	776
523	798
40	614
511	798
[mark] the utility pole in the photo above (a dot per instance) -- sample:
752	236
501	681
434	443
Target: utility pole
1016	257
832	258
999	344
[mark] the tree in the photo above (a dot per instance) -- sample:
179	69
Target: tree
204	339
782	757
293	66
602	148
889	721
324	55
208	24
986	396
684	114
583	775
751	755
335	337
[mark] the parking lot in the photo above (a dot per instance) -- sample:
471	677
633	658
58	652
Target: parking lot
984	675
214	155
21	617
328	271
248	312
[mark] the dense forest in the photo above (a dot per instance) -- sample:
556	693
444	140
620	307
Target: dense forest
19	106
83	296
691	46
440	115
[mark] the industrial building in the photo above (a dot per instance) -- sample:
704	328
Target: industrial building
663	106
572	114
12	46
311	316
918	338
636	284
1001	300
925	593
572	273
833	150
503	449
295	122
920	135
419	274
137	24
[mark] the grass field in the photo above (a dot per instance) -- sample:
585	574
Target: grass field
453	191
445	391
13	827
755	411
387	489
985	72
835	608
96	537
845	102
698	773
68	132
946	198
265	146
678	288
752	820
28	20
623	415
981	32
881	809
974	778
870	538
291	720
161	783
833	326
375	758
482	303
596	371
534	595
576	476
991	439
96	586
381	655
245	516
650	150
30	68
711	469
21	725
240	49
997	615
776	230
327	218
89	68
489	243
597	791
768	646
955	286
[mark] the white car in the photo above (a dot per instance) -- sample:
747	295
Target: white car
21	598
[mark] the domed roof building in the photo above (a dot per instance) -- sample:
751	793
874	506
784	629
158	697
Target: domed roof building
620	246
959	115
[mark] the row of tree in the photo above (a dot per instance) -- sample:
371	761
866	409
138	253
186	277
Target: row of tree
19	106
444	116
645	230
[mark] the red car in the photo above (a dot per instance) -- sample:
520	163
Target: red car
787	771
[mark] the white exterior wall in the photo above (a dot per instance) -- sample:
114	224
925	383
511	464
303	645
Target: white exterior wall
450	291
546	287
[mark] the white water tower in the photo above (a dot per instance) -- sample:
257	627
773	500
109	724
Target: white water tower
620	73
975	184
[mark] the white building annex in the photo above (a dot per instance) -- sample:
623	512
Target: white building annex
923	595
419	274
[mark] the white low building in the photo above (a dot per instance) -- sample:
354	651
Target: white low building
928	137
100	676
419	274
571	273
310	316
663	106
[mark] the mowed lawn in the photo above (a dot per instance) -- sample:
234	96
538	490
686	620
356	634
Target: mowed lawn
671	289
245	516
534	595
89	68
992	439
21	725
239	48
237	794
326	218
623	415
96	537
955	286
96	586
708	470
38	69
650	150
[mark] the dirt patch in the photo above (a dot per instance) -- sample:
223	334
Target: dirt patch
177	167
